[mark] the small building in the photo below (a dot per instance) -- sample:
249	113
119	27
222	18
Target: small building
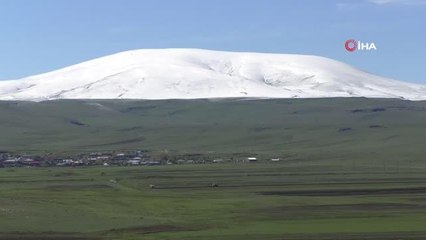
15	162
180	161
153	163
134	162
31	162
104	157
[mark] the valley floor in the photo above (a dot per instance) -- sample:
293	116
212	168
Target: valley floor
286	200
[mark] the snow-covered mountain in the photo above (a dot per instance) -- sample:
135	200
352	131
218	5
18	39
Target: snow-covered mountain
194	73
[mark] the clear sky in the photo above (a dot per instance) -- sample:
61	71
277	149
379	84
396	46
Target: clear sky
43	35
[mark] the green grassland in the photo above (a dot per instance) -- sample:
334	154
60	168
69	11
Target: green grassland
287	200
300	128
351	168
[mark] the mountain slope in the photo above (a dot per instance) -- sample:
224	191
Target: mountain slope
328	128
192	73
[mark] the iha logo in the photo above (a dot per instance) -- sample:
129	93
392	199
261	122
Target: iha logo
353	45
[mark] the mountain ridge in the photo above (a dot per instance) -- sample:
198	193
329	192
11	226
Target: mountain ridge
195	73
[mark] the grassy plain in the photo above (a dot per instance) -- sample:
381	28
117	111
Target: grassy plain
287	200
351	169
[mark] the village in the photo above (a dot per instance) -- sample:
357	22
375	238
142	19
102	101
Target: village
125	158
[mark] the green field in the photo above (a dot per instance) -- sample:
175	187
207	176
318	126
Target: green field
287	200
351	168
377	129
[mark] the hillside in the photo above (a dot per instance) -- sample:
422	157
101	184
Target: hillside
337	128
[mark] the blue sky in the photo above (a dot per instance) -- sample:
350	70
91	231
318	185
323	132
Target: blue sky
43	35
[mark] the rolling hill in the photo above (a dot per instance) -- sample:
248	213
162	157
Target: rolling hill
329	128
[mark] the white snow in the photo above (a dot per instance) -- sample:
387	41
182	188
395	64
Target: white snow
195	73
